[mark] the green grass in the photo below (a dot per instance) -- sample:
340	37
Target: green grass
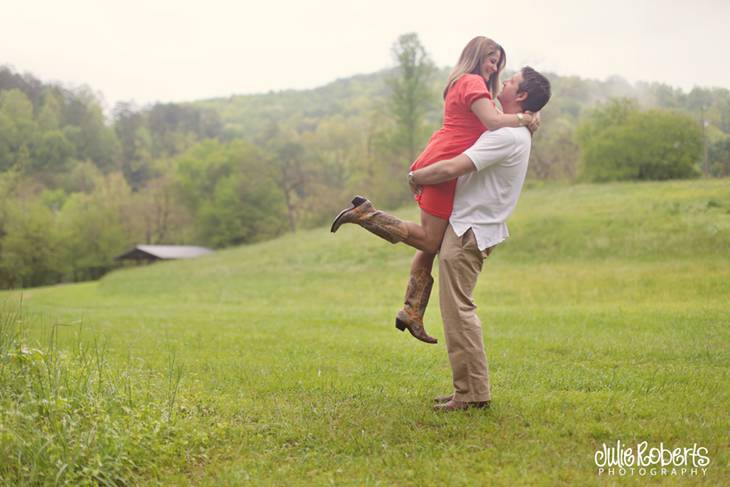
606	318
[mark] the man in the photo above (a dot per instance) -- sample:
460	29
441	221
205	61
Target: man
491	174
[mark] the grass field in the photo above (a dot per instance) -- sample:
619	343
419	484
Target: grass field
606	316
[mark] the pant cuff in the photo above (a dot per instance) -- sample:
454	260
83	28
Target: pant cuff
472	397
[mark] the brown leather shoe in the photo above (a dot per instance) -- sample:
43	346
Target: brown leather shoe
414	307
378	222
454	405
443	399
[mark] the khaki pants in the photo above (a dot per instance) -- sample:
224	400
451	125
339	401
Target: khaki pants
460	262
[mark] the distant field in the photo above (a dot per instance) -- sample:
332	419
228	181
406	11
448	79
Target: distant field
606	314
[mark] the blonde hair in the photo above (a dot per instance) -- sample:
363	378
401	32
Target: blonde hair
470	62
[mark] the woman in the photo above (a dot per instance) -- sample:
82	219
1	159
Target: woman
468	110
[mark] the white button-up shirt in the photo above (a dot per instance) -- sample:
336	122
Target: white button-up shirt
485	199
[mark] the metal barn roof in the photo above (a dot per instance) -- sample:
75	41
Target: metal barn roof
165	252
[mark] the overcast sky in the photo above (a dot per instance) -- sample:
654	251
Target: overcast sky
174	50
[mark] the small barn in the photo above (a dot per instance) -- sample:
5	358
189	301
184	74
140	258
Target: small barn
152	253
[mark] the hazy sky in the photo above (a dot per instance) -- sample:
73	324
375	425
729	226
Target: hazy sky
173	50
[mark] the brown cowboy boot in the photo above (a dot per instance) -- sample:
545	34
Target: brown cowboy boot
411	316
375	221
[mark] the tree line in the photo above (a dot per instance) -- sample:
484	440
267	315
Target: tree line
78	187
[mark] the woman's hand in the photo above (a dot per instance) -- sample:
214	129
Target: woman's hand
534	123
415	188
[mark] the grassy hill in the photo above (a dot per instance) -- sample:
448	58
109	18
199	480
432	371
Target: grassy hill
606	318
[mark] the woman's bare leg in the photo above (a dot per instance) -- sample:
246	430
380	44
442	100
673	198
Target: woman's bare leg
426	237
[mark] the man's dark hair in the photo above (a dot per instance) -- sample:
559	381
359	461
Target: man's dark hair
537	87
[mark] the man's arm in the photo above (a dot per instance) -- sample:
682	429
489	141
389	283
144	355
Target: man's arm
445	170
491	148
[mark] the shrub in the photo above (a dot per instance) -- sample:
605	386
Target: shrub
619	142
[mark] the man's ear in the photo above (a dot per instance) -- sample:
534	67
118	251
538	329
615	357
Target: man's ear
521	96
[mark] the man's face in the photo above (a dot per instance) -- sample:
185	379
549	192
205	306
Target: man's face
510	87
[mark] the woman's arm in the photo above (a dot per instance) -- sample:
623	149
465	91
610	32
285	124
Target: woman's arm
493	120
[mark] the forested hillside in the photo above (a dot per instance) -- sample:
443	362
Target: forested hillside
556	154
78	187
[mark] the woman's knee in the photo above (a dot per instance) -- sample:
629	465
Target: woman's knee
423	259
432	242
433	228
432	246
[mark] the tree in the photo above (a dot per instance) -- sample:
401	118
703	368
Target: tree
232	191
290	167
86	128
93	234
699	100
554	151
157	212
7	141
16	105
336	165
136	144
49	116
22	160
410	94
52	152
656	144
32	249
175	127
82	177
242	209
719	155
602	117
20	131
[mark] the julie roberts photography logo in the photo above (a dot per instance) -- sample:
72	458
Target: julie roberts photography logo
648	461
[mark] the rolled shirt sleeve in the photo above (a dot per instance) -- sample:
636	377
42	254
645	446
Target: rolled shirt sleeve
471	88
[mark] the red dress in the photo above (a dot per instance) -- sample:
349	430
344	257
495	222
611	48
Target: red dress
460	130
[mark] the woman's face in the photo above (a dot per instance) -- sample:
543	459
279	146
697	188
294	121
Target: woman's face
490	65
